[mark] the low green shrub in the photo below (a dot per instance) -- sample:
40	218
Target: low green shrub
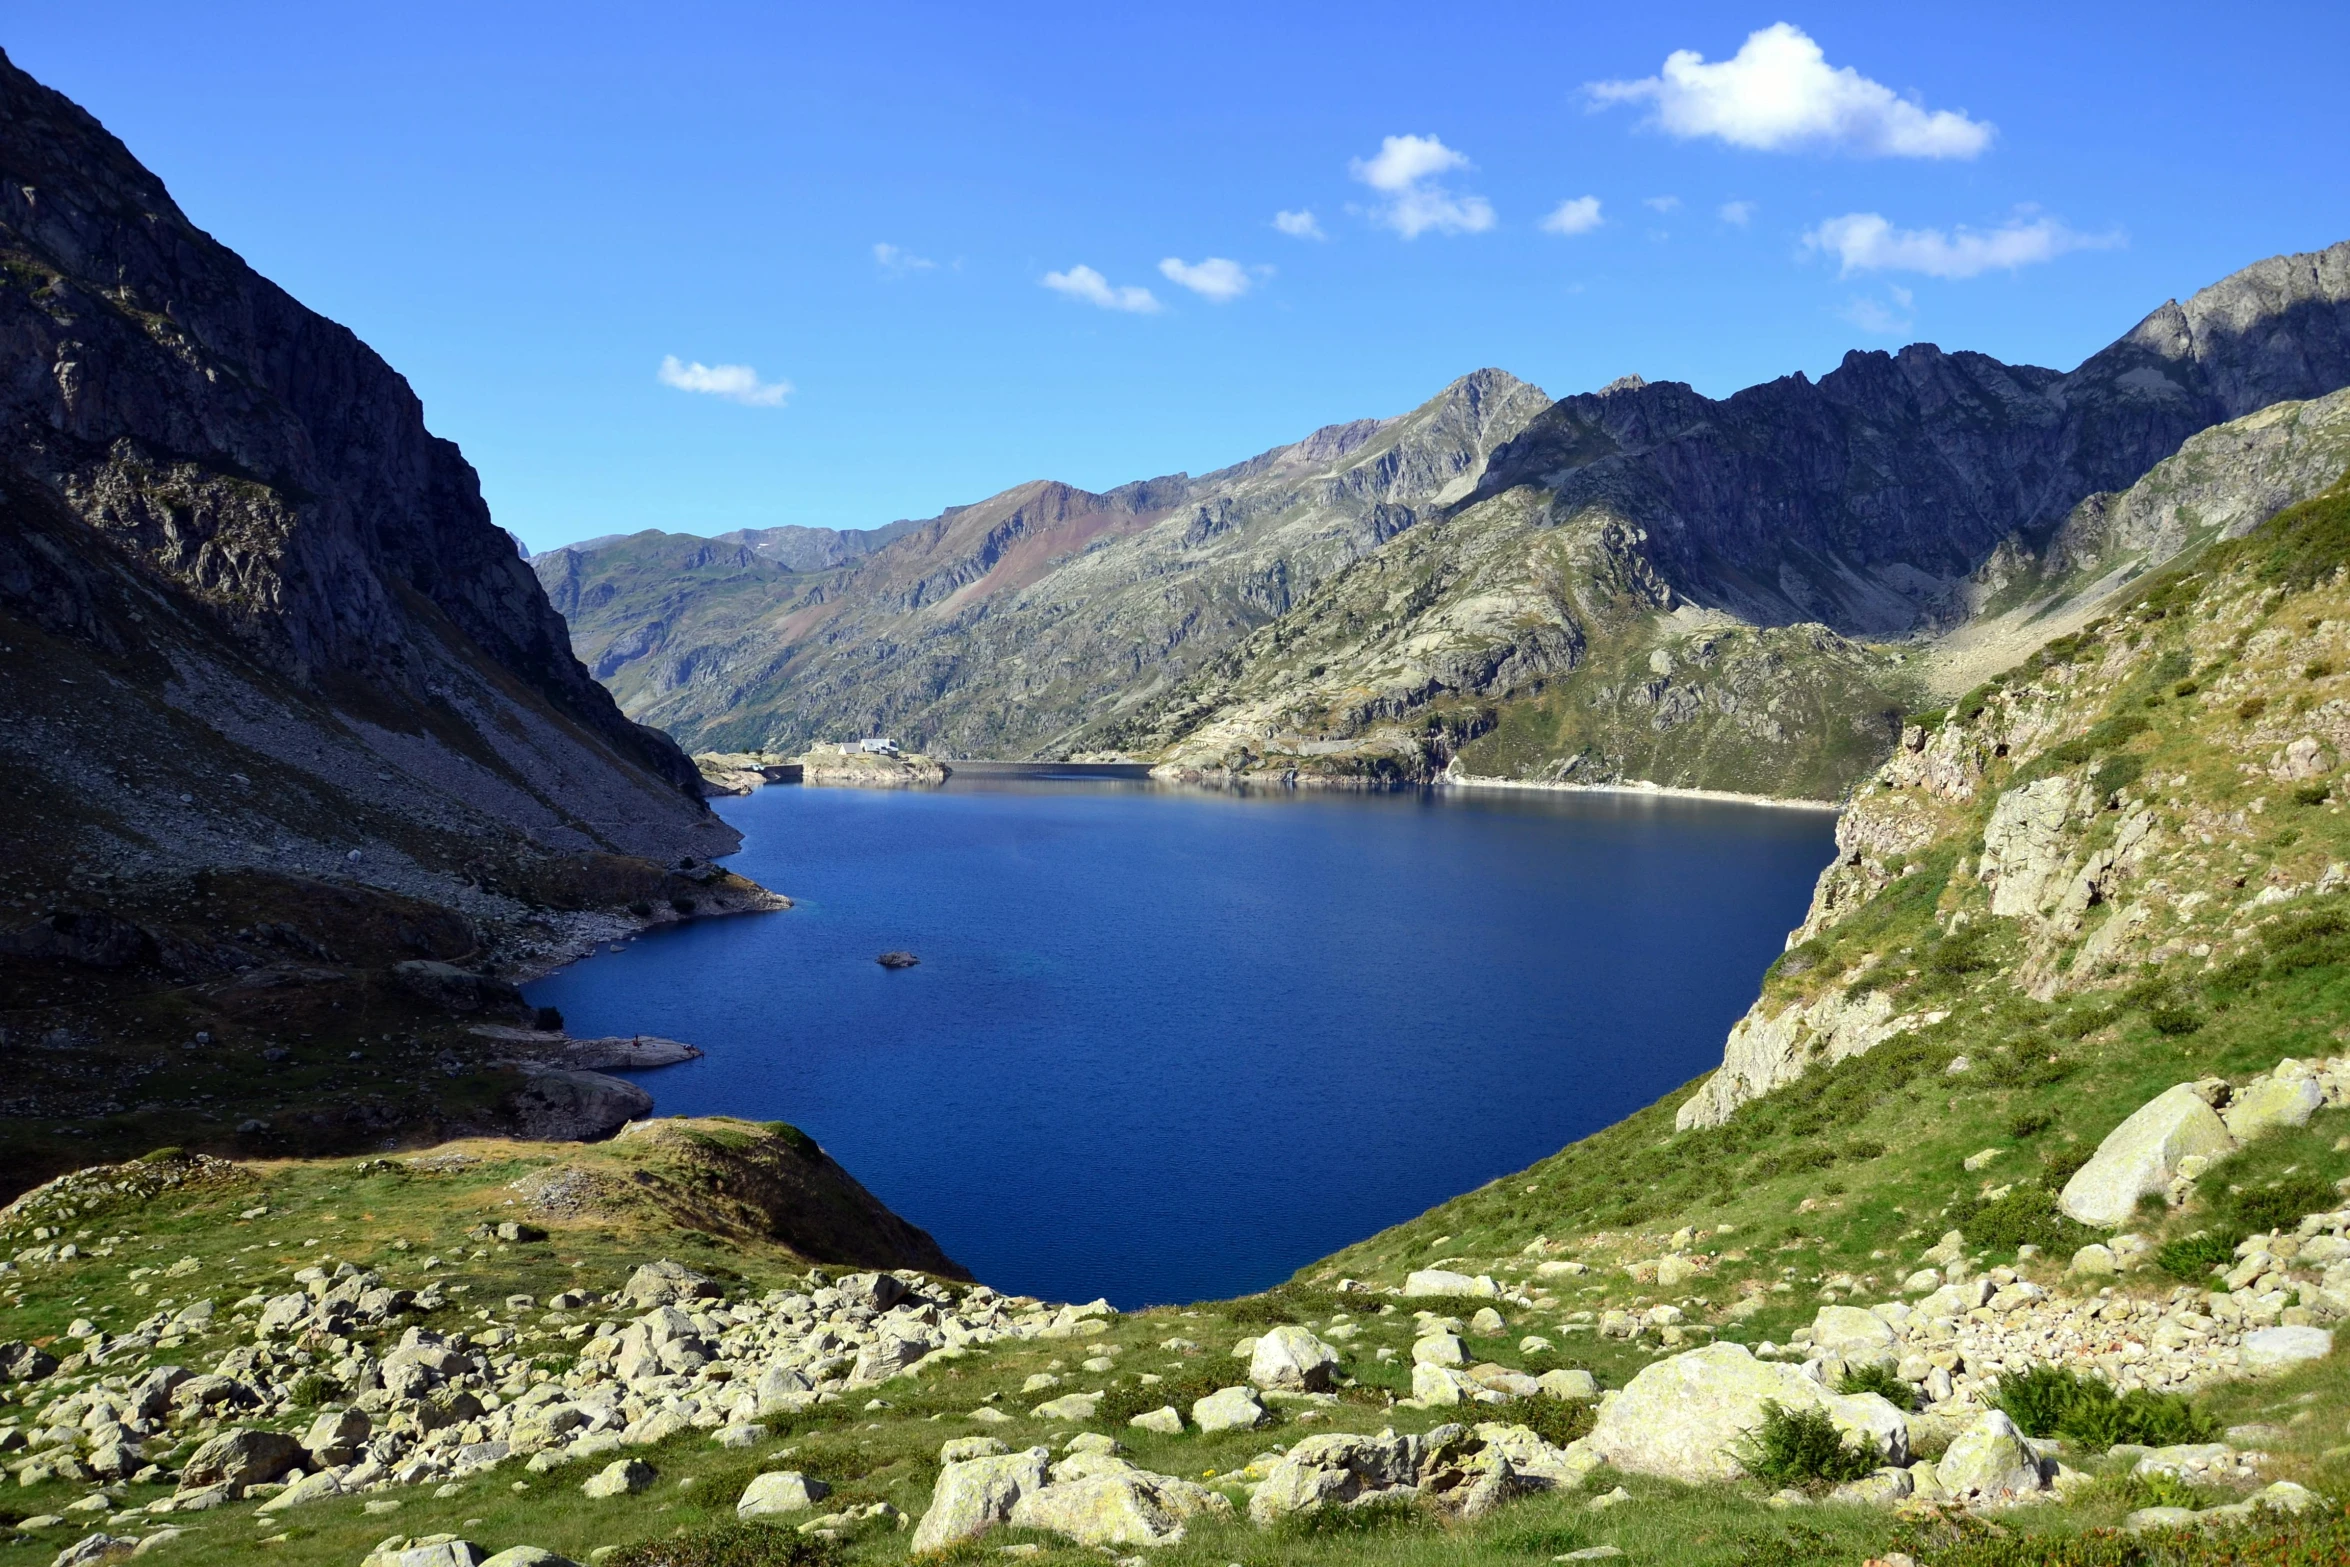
2030	1123
1557	1421
2038	1399
1802	1448
2055	1401
1880	1379
2191	1258
2027	1215
2277	1205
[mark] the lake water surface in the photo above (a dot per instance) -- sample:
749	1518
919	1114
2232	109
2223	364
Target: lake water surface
1169	1045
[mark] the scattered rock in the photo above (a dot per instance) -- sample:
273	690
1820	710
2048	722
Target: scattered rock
1991	1462
976	1495
621	1477
1292	1358
1165	1420
1229	1409
2142	1155
1338	1470
783	1491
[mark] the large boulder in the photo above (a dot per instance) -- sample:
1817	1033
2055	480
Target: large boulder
1536	1460
782	1491
1229	1409
1990	1462
2276	1349
1860	1338
555	1106
1338	1470
976	1495
1685	1417
665	1283
1438	1281
240	1458
2272	1102
2142	1155
1293	1359
1115	1504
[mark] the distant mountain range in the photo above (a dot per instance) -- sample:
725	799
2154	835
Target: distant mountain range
1637	582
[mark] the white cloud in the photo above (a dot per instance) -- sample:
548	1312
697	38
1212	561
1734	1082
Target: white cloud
735	383
1406	171
899	262
1739	213
1661	203
1214	279
1876	317
1579	216
1779	93
1087	284
1298	225
1866	242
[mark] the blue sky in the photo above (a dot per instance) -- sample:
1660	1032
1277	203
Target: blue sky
628	254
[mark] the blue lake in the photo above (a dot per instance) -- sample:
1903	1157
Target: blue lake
1168	1045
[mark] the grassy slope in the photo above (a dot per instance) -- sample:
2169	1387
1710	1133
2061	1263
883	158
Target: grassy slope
1827	1189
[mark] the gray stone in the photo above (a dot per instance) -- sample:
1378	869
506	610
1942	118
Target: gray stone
1440	1349
2094	1260
1991	1462
1069	1406
1684	1416
310	1488
1857	1337
621	1477
1437	1281
1293	1359
336	1436
1569	1384
1229	1409
2146	1518
240	1458
2142	1155
528	1556
739	1436
99	1547
1121	1506
2273	1102
2274	1349
976	1495
665	1283
1535	1461
431	1550
1881	1489
962	1449
783	1491
1165	1420
1338	1470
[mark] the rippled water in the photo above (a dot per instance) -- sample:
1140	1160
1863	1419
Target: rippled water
1170	1045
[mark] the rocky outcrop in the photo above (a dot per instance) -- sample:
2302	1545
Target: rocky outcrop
263	619
1766	1051
574	1107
